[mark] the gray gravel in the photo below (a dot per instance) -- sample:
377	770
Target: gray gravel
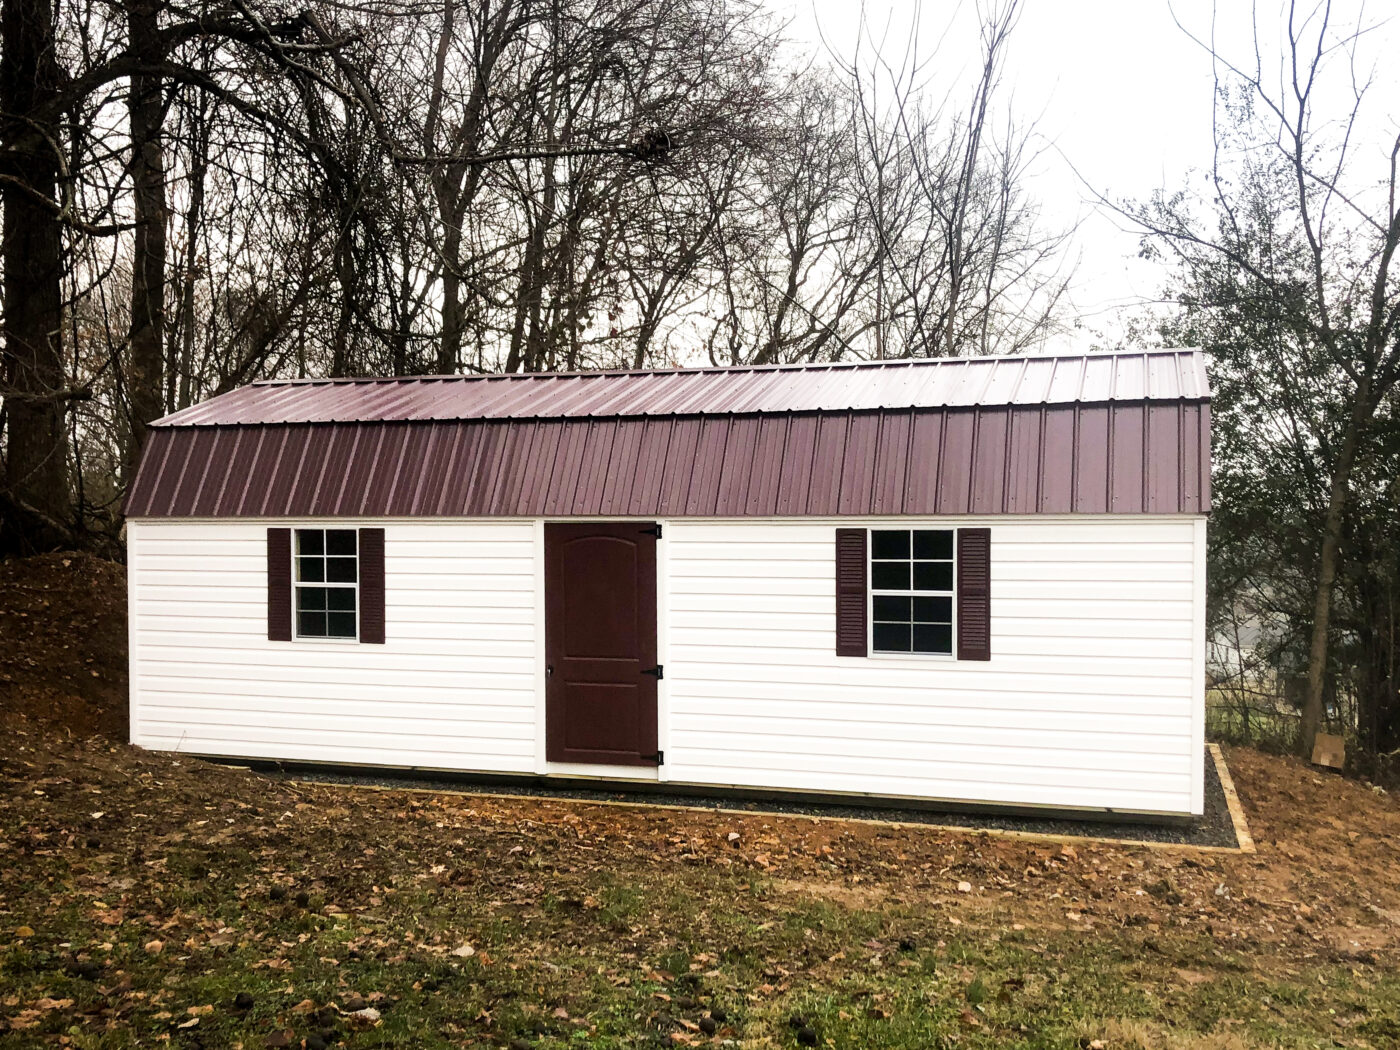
1215	828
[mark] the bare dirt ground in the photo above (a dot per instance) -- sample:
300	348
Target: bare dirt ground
149	899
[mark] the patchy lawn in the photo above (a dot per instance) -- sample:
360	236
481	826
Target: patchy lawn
148	899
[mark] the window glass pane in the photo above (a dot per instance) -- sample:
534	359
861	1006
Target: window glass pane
891	637
933	576
340	570
311	599
311	624
888	607
340	625
933	610
340	541
311	570
890	575
888	543
933	638
933	543
340	599
310	541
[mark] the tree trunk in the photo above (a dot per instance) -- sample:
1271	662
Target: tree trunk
35	478
146	358
1328	563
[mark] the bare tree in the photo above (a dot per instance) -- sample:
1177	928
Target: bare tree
1295	244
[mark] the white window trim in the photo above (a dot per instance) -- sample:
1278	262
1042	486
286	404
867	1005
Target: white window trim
871	593
337	639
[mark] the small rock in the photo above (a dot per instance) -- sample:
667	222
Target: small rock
315	1042
719	1014
520	1044
369	1014
242	1001
353	1004
708	1025
464	951
733	836
278	1039
301	899
154	947
277	893
797	1021
807	1036
685	1002
964	887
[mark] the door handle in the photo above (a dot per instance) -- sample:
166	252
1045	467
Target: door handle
549	671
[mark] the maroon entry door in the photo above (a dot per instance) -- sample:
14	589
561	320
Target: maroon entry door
600	643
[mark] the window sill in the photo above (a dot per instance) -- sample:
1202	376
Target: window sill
919	657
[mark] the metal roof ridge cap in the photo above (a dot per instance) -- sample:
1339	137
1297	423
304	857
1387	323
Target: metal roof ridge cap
686	414
813	366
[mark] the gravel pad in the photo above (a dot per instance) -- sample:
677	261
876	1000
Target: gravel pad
1215	828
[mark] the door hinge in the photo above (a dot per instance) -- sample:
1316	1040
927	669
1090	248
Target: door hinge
655	530
659	757
659	670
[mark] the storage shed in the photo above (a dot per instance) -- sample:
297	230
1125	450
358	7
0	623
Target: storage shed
961	580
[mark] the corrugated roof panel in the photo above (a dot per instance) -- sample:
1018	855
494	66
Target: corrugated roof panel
796	469
953	483
858	464
925	447
989	466
680	466
1057	457
1023	462
1037	458
1125	477
740	447
622	466
893	463
923	383
1164	451
702	495
1091	460
828	460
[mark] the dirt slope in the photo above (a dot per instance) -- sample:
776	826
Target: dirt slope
63	643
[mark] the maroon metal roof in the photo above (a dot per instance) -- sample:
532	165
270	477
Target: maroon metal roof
1118	457
1166	375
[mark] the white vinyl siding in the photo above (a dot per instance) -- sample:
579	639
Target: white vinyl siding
452	687
1091	698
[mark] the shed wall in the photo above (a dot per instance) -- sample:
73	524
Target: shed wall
1093	696
453	686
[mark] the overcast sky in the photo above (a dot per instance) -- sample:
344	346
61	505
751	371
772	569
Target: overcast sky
1117	90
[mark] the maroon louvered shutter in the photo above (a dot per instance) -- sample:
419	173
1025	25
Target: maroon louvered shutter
850	592
372	586
974	594
279	585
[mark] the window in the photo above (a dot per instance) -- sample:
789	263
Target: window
327	583
911	591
